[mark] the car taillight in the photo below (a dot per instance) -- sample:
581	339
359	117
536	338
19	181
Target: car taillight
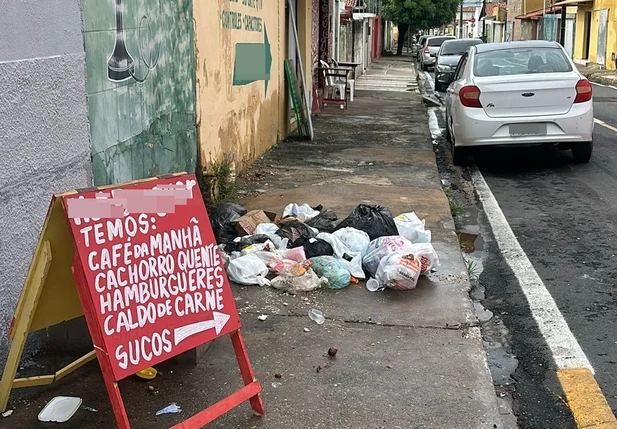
426	51
583	91
470	96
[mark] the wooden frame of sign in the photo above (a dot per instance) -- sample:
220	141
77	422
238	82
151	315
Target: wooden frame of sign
148	278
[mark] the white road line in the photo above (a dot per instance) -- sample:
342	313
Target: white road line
566	351
599	84
612	87
605	125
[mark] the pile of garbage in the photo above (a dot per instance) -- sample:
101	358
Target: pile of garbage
310	247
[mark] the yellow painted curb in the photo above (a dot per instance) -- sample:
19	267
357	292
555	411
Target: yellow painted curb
585	399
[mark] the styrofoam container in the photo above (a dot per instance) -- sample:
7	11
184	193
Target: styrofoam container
60	409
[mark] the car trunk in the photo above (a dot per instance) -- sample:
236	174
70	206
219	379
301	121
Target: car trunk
542	94
433	50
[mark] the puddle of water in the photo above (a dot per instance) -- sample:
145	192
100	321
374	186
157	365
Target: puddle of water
501	363
484	315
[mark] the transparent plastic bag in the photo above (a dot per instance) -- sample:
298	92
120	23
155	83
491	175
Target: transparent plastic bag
427	255
267	246
382	247
289	266
410	226
293	284
399	270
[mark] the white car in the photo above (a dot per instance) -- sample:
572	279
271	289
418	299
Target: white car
519	93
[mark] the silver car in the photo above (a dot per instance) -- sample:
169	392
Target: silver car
415	49
448	57
428	52
521	94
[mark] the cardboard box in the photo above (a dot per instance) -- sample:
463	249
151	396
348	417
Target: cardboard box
246	224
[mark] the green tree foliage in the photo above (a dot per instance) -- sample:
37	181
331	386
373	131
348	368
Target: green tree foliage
418	15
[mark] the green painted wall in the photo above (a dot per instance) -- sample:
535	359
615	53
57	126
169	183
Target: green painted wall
142	115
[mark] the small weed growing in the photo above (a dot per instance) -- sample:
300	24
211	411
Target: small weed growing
455	208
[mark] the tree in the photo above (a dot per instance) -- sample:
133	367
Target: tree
417	15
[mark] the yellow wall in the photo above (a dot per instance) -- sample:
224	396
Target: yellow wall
611	35
579	27
242	121
530	6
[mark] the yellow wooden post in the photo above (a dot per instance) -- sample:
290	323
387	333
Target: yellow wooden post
22	323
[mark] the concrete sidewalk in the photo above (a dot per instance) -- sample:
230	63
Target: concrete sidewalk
595	74
406	359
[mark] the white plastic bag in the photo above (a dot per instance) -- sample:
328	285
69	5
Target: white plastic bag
266	228
354	266
410	226
337	245
248	270
383	246
354	239
399	270
302	213
427	255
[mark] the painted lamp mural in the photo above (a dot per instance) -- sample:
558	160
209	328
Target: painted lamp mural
140	64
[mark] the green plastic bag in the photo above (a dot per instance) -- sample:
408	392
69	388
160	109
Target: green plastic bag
333	269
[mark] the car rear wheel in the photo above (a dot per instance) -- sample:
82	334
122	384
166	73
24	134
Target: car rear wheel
581	152
460	155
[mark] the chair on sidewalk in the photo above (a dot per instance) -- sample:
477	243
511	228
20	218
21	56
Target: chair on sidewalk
335	85
351	88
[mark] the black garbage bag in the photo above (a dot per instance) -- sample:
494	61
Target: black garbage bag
376	221
295	230
246	241
325	221
314	247
223	220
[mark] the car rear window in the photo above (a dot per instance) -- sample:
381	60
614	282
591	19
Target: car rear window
458	47
437	41
519	61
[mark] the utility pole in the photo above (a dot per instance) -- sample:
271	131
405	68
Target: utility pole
481	21
460	21
562	30
543	19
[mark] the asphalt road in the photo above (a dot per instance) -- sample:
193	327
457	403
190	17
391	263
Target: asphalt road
564	216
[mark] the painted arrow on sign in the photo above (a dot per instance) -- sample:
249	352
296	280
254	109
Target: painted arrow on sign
253	62
218	323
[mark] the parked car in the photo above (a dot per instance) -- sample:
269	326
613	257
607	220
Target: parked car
429	50
448	57
519	93
415	48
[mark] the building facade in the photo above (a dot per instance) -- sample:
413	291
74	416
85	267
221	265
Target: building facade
596	33
99	92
